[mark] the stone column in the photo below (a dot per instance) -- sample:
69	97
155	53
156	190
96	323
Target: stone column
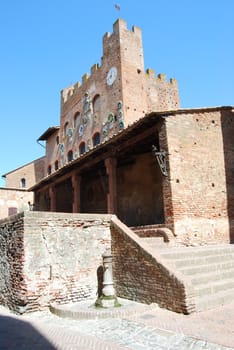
52	195
110	164
108	284
108	298
76	179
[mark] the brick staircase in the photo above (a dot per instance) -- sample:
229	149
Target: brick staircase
181	279
210	269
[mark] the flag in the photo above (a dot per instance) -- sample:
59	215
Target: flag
117	7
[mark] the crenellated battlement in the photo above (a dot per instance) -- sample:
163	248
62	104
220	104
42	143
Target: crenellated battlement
119	30
120	27
68	92
131	42
160	78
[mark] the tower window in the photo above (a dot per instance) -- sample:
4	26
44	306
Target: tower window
49	170
96	139
76	119
96	104
23	182
82	148
70	156
56	165
65	129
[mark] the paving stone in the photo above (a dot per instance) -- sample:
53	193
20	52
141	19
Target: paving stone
109	334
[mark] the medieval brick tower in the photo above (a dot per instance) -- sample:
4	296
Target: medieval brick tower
114	95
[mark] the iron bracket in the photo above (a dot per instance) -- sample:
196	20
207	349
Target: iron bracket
161	158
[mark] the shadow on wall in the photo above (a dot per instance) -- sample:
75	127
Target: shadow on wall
227	124
18	335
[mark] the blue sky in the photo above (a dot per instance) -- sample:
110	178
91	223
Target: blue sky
47	45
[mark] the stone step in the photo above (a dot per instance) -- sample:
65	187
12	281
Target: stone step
211	271
214	276
207	268
214	300
214	259
195	252
215	287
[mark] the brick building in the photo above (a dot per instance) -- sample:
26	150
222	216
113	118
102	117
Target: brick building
101	159
15	197
125	147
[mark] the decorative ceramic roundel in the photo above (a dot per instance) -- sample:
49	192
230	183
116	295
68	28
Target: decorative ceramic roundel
111	76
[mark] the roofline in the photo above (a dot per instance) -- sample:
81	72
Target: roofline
197	109
120	134
48	132
22	166
13	189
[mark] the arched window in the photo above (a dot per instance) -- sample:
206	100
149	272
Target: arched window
23	182
56	165
49	170
76	120
96	103
65	129
70	156
82	148
96	139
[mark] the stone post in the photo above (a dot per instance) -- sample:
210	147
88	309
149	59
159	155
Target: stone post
108	298
108	285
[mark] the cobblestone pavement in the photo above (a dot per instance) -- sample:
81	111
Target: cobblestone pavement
155	329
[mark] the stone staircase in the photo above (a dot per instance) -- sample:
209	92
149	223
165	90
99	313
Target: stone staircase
210	270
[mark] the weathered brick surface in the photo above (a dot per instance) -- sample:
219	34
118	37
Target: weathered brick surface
143	277
199	191
12	284
117	105
48	257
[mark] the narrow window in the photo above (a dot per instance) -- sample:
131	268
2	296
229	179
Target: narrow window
76	120
96	104
70	156
65	129
96	139
82	148
56	166
57	140
23	182
49	170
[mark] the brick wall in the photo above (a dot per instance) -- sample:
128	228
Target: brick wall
142	276
197	180
48	257
12	283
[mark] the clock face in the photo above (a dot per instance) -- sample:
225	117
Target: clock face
111	76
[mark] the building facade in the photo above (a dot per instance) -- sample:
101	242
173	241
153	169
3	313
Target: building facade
125	147
15	197
113	96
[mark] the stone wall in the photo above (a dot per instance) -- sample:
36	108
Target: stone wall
47	257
